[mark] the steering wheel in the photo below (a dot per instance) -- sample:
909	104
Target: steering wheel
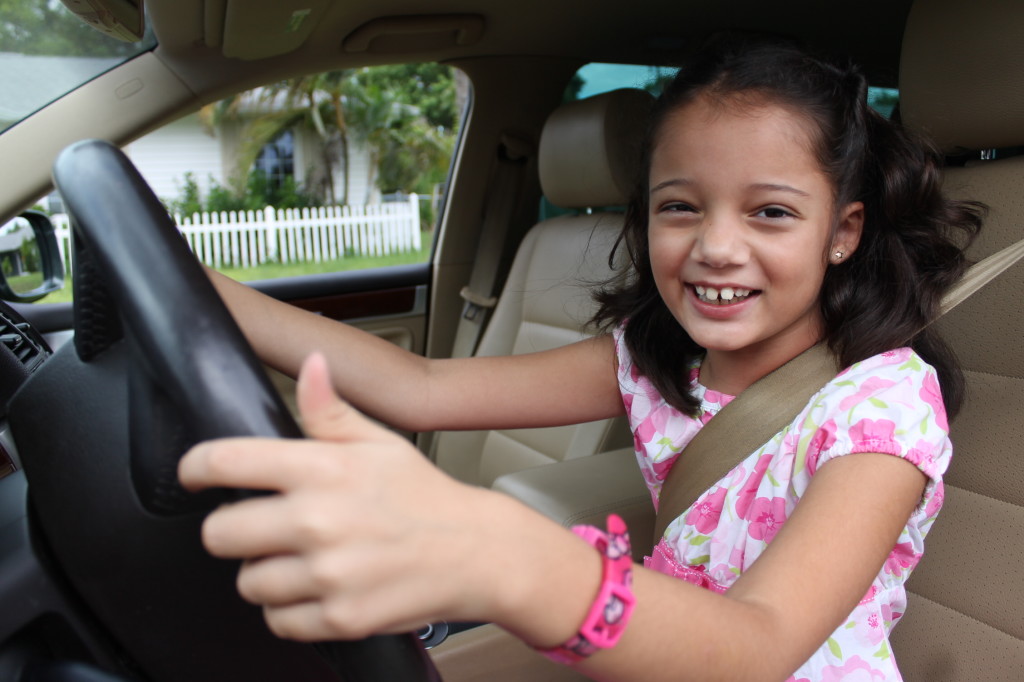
157	364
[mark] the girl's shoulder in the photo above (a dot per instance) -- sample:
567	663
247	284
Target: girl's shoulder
897	360
896	371
889	403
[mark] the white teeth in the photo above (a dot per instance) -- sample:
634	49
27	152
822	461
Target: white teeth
720	296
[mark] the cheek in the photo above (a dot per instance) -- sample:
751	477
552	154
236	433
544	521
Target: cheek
799	274
667	250
664	267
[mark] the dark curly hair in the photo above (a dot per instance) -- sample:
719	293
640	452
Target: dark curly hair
911	250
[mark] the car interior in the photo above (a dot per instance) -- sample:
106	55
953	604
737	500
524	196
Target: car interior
77	583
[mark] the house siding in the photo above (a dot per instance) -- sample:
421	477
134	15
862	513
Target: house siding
163	157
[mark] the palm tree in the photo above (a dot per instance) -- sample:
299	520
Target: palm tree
313	102
342	107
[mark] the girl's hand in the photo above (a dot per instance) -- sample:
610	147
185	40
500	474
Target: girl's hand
366	536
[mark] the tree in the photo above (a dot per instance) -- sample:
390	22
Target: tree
406	116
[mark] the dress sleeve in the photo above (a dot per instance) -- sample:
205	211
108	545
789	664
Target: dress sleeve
889	404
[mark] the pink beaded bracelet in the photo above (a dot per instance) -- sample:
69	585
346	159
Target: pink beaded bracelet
610	612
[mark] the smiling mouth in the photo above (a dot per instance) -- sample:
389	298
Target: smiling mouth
723	296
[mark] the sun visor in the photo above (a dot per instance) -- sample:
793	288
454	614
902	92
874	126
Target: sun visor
391	35
257	29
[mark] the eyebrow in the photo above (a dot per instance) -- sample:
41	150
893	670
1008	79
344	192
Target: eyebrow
674	182
780	188
766	186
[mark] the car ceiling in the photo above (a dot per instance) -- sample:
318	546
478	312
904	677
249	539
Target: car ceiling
213	43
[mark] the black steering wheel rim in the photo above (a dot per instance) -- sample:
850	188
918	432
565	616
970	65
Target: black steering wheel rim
181	346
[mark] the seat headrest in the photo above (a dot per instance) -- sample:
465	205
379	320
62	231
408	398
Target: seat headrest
589	150
960	73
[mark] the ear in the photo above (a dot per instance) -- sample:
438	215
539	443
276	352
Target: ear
849	227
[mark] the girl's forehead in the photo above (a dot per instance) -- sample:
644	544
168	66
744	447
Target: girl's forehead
731	151
709	129
751	110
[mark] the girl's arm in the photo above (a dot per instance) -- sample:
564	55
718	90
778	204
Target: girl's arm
781	610
566	385
350	552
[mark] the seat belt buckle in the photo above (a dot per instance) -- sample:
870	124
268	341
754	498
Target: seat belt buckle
475	304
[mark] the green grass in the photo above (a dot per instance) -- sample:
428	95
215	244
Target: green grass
277	271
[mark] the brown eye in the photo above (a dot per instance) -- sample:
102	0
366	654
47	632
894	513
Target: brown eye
678	207
774	213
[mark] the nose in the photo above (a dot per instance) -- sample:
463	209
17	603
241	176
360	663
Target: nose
720	243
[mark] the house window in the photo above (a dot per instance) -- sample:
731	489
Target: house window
276	161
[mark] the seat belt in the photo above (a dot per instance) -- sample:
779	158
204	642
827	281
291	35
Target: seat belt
772	402
479	295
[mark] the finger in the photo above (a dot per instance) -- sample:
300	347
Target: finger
331	620
325	416
256	463
277	581
254	528
304	622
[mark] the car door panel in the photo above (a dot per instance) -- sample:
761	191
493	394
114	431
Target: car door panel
388	302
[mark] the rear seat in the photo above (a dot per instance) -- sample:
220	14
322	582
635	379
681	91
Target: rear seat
960	82
585	162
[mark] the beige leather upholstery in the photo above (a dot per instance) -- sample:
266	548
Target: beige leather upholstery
960	72
546	299
588	149
962	63
586	490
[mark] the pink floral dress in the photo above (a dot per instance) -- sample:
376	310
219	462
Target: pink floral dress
889	404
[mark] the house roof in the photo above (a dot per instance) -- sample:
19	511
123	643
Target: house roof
28	82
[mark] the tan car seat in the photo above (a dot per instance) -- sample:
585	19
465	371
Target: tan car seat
587	152
960	81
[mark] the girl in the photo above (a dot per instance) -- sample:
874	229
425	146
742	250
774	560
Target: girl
776	210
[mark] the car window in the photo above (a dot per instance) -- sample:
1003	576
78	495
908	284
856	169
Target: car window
883	100
45	52
597	78
334	171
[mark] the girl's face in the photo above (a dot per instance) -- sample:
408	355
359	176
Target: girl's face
741	228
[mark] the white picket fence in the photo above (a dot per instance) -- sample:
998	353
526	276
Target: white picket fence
246	239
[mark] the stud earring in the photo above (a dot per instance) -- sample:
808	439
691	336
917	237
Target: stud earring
839	255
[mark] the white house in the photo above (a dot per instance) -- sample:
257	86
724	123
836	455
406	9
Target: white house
164	156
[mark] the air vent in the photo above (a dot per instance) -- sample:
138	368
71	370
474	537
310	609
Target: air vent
22	340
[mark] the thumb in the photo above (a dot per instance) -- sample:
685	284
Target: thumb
324	415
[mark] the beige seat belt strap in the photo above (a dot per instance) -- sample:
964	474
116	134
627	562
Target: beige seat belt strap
772	402
748	422
980	274
479	296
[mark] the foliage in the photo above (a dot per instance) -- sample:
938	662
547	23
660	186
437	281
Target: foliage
415	159
31	257
430	88
405	115
258	195
190	200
